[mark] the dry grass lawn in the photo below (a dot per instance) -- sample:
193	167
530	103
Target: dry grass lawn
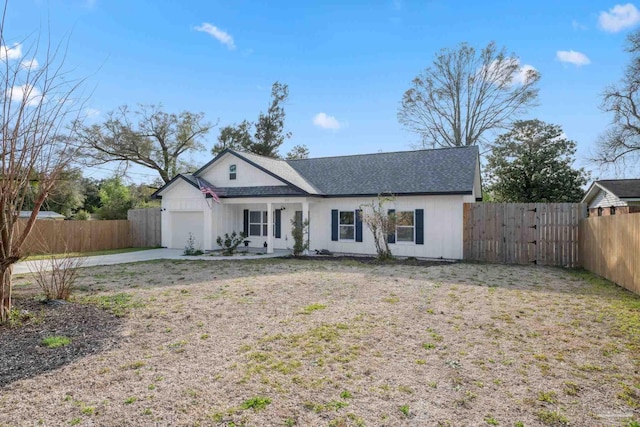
310	343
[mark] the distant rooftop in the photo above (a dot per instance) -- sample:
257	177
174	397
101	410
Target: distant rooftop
42	215
623	188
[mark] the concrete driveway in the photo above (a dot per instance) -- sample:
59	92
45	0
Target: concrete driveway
138	256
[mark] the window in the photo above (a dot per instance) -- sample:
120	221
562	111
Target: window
405	226
347	225
257	223
612	210
232	172
599	211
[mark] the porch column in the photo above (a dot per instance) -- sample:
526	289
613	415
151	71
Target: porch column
207	239
305	217
269	228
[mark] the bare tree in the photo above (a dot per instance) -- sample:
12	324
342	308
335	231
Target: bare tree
621	142
381	223
465	93
157	141
38	104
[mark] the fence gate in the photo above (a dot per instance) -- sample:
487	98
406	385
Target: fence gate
523	233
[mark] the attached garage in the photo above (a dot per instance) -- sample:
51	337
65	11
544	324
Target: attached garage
183	223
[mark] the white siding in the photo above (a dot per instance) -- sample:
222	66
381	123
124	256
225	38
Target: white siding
181	197
604	199
247	175
442	226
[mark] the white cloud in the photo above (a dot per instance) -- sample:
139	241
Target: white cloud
30	95
619	17
523	74
218	34
572	57
325	121
30	64
10	53
578	26
519	77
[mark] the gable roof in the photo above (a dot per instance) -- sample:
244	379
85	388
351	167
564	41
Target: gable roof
277	168
437	171
624	189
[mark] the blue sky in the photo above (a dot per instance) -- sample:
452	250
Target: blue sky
351	61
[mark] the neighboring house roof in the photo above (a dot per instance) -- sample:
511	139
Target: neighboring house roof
42	215
437	171
624	189
440	171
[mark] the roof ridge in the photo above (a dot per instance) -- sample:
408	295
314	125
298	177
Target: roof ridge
385	152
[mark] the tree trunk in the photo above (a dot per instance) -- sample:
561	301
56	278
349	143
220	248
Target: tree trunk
5	293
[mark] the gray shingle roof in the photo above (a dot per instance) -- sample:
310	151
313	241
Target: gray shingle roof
257	191
623	188
282	169
263	191
440	171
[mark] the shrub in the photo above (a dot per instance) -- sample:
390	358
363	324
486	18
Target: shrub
230	242
55	275
299	231
190	249
82	215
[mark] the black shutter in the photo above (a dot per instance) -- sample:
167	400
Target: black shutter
278	218
335	217
245	228
358	225
419	226
391	237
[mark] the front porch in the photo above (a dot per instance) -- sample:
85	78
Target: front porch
266	223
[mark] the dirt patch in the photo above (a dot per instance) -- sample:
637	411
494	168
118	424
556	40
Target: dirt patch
24	355
342	343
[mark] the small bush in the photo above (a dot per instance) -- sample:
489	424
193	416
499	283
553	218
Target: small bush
56	275
230	243
82	215
299	232
190	248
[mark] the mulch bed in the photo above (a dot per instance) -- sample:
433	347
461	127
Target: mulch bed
373	260
23	354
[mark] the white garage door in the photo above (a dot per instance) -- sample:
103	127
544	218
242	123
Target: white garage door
183	223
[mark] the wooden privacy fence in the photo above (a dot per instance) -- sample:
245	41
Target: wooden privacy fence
50	236
610	247
523	233
145	227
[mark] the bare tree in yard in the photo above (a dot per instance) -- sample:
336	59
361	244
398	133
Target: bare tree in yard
38	104
157	141
381	223
621	142
465	93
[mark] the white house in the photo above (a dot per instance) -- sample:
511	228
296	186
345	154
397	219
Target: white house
608	197
261	196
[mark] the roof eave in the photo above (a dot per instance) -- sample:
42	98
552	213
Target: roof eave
156	194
